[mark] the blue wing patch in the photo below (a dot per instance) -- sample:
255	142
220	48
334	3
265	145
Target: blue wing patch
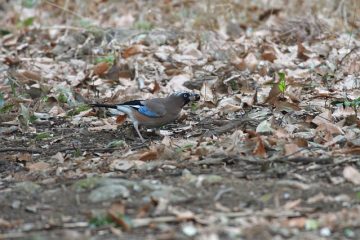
147	112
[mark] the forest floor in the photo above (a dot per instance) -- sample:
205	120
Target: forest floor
271	151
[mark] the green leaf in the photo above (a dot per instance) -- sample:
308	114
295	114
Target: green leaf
77	152
109	59
32	118
26	23
233	85
311	224
349	233
184	148
29	3
282	82
42	136
194	106
6	108
100	221
358	195
2	100
78	109
24	111
4	32
13	88
62	98
115	144
143	25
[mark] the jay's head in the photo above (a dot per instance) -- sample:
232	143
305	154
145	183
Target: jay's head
186	97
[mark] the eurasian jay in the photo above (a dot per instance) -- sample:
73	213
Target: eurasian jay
154	112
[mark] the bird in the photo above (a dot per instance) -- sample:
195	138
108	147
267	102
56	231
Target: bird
152	113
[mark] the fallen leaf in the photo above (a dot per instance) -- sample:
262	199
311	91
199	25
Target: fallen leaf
273	94
101	68
259	149
301	53
155	88
251	62
117	214
352	175
292	150
292	204
39	166
120	119
58	158
147	156
133	50
298	222
286	106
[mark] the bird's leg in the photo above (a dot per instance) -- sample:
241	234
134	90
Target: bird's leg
136	126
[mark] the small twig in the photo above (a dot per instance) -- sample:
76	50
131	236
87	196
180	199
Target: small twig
222	192
20	150
346	55
45	227
65	10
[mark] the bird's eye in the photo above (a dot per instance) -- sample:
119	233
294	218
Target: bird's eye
186	95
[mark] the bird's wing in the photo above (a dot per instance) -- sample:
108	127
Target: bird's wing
153	108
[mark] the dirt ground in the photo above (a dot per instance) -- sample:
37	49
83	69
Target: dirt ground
230	193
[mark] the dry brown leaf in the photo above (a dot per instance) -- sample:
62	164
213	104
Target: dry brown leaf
58	158
101	68
301	54
176	83
39	166
330	128
146	208
352	175
298	222
155	88
207	93
269	53
291	149
239	63
301	142
292	204
259	149
182	214
27	76
5	224
273	94
251	62
117	214
24	157
286	106
133	50
120	119
147	156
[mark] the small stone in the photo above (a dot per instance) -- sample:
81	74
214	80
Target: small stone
264	127
121	165
15	204
108	192
325	232
168	166
86	184
189	229
32	208
29	187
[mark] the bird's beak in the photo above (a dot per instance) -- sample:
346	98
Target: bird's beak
194	97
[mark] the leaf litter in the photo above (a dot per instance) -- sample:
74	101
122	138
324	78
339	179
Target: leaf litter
270	151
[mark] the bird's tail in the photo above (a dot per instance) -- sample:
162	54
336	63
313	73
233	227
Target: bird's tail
103	105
